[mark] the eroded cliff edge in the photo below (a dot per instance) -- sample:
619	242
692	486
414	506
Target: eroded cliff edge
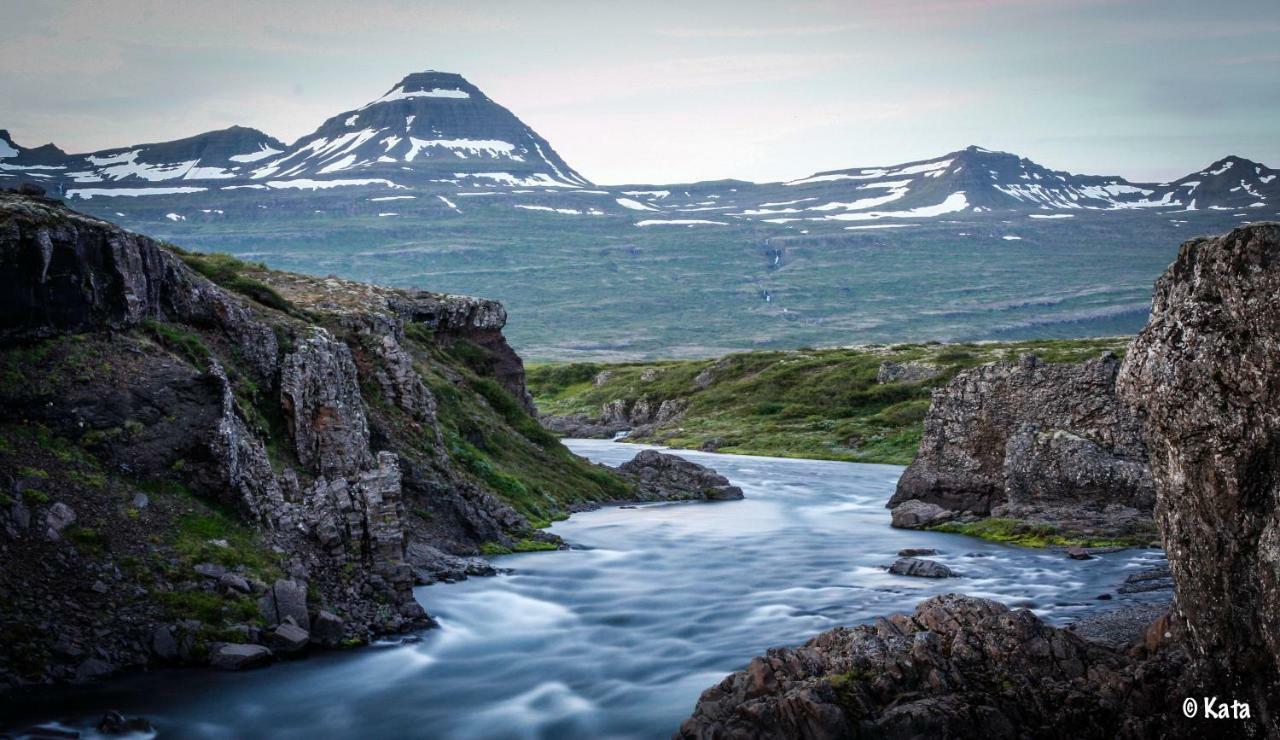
1038	446
1204	381
1205	376
205	460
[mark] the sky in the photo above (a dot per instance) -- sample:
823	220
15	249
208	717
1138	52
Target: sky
666	92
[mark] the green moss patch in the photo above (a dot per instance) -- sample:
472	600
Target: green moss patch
1028	534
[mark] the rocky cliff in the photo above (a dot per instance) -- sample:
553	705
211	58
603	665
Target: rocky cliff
233	462
1049	444
1204	376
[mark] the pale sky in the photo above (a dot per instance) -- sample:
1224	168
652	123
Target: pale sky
665	92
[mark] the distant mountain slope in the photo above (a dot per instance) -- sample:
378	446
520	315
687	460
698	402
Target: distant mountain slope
433	183
214	156
437	133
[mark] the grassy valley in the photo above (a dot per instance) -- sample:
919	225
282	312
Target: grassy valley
814	403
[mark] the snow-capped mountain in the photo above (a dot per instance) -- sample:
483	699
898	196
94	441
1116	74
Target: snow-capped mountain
975	180
433	139
431	127
224	155
1229	184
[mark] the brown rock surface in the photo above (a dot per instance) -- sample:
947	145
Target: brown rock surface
1205	374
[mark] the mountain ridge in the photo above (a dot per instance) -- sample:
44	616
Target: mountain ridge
971	244
436	130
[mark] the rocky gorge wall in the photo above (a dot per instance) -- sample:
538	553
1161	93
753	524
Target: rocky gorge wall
1048	444
1203	379
1205	376
235	463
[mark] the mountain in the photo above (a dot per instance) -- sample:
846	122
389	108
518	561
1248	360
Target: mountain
1228	184
436	132
978	180
212	156
430	128
434	183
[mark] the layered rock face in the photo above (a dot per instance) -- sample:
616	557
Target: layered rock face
269	465
1205	376
1044	442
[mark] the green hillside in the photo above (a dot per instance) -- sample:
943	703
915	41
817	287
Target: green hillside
823	404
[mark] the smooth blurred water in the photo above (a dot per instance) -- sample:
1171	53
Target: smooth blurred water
618	636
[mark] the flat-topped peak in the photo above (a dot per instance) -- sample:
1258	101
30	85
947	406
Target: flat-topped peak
432	84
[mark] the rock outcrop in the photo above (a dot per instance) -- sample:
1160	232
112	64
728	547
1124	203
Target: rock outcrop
958	667
638	417
659	476
182	430
906	372
1205	376
1042	442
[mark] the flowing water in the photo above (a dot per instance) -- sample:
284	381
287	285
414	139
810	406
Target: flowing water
617	636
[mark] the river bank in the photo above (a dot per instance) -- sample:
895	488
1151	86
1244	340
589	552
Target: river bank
619	634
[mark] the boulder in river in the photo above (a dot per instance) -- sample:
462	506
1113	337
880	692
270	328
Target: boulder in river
917	514
920	568
230	656
662	477
115	723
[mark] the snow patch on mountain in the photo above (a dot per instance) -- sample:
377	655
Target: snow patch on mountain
537	179
634	205
87	193
308	184
398	93
953	203
549	209
679	222
263	152
490	147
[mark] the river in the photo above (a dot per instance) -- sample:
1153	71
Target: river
617	636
